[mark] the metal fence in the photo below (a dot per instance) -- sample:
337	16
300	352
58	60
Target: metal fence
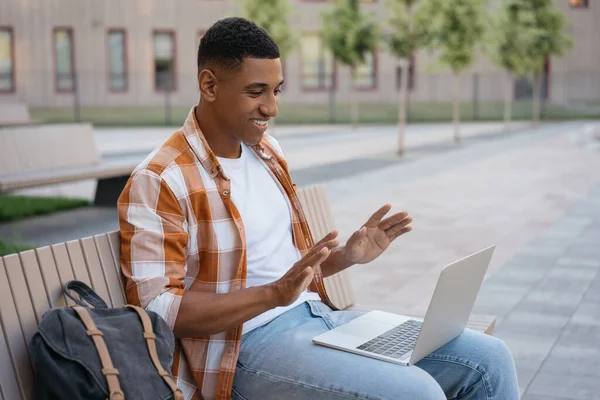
93	96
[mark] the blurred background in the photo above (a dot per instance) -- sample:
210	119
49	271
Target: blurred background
481	118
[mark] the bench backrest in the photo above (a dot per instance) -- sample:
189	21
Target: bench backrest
14	113
46	147
31	282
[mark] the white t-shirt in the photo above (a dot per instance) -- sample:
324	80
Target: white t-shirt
268	224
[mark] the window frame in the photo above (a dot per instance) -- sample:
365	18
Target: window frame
125	89
584	5
173	35
13	83
375	76
55	59
309	89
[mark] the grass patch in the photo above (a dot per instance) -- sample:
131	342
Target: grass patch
316	113
7	248
16	207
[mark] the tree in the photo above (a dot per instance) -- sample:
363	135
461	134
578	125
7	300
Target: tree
273	16
511	29
549	38
455	26
406	32
350	35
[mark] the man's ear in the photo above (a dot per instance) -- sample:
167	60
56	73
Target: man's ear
207	82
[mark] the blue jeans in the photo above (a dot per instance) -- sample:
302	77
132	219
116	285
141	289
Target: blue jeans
279	361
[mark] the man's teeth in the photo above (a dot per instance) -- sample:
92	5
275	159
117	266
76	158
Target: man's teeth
259	122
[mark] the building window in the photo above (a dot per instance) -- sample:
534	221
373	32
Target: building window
7	60
366	74
411	74
164	61
117	60
64	59
579	3
317	63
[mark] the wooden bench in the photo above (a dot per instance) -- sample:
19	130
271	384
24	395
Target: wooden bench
38	155
31	282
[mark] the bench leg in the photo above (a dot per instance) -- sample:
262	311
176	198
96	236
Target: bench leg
109	190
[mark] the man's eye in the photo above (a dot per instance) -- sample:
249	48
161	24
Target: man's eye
255	93
277	92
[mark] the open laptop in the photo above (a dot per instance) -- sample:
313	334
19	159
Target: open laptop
405	340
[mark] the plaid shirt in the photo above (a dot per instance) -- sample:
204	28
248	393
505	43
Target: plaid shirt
180	231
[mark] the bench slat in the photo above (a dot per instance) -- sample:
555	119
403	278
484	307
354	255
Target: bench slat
63	266
35	283
320	220
50	276
94	268
15	340
20	294
114	239
9	383
111	272
77	262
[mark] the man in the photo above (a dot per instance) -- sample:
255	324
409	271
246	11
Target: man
215	241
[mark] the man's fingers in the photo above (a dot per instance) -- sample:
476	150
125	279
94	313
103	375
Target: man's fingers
393	220
398	226
330	236
304	278
312	259
401	232
378	215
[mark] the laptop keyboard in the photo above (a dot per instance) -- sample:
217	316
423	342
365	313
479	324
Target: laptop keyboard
396	342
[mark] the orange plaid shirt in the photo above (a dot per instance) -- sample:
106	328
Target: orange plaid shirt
180	231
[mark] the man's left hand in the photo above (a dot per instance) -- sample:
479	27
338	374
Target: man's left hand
376	235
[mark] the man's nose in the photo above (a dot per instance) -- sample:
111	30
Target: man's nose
270	108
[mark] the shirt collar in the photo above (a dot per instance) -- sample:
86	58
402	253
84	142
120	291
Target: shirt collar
201	149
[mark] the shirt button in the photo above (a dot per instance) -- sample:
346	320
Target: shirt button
225	193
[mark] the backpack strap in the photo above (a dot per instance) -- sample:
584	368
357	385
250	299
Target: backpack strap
108	369
151	342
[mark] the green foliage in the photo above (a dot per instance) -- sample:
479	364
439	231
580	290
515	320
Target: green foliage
7	248
407	27
349	33
549	37
455	27
273	16
525	33
17	207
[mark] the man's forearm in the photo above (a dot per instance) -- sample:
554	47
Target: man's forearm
203	314
335	262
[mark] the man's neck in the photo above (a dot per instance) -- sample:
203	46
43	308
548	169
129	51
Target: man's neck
221	144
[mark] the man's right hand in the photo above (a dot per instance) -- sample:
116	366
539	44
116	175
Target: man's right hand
289	287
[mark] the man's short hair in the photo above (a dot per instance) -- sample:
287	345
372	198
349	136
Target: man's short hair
230	40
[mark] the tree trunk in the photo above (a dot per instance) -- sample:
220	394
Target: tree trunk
402	108
508	99
456	108
354	111
536	99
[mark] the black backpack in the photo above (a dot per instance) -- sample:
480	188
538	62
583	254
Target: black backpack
102	353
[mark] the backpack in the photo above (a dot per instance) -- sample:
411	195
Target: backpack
102	353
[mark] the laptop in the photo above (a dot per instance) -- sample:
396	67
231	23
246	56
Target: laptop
406	340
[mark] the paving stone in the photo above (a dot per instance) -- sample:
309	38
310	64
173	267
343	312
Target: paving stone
525	325
565	386
572	361
550	302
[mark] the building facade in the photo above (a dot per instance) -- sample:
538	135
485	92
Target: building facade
132	53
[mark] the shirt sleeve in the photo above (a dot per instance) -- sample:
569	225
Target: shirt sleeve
154	241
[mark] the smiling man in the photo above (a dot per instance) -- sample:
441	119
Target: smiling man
215	241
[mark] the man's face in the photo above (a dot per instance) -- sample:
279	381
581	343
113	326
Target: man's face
246	100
